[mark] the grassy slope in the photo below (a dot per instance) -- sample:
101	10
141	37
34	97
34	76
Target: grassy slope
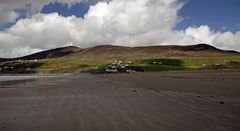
73	64
198	62
59	65
68	65
193	63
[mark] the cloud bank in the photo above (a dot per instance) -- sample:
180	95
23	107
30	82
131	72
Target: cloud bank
12	9
118	22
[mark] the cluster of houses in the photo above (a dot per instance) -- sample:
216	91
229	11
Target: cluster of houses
122	66
17	66
157	62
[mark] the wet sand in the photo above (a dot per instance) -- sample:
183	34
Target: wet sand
124	102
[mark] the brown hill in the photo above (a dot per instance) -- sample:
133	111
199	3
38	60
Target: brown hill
110	52
53	53
48	54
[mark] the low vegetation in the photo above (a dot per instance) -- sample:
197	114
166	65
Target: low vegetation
66	65
60	65
193	63
74	65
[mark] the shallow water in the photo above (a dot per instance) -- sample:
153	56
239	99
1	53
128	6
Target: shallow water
14	81
18	77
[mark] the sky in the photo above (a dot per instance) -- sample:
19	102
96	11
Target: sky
220	15
29	26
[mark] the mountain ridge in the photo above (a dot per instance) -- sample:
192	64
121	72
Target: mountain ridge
47	54
103	52
112	52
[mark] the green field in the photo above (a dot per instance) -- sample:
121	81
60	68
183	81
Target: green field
194	63
68	65
75	65
60	65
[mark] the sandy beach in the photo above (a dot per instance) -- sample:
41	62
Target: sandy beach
123	102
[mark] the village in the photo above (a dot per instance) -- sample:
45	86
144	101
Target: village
116	66
19	66
120	66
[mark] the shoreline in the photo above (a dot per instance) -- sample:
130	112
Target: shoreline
137	101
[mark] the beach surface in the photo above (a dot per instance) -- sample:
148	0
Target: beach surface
171	101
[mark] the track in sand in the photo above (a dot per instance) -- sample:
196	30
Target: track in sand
121	103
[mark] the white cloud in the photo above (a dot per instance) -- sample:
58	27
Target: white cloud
126	22
201	34
7	16
18	50
119	22
38	33
228	40
8	7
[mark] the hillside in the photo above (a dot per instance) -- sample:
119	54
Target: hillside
48	54
150	58
110	52
53	53
4	59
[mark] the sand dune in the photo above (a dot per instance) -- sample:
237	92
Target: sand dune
124	102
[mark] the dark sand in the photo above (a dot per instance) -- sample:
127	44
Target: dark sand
124	102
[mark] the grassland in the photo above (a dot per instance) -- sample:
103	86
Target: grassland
190	63
68	65
75	65
60	65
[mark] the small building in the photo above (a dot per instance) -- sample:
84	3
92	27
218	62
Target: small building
29	70
21	61
157	62
111	69
129	62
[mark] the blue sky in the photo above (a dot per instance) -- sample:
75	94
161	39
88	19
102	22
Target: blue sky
46	24
220	15
78	9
